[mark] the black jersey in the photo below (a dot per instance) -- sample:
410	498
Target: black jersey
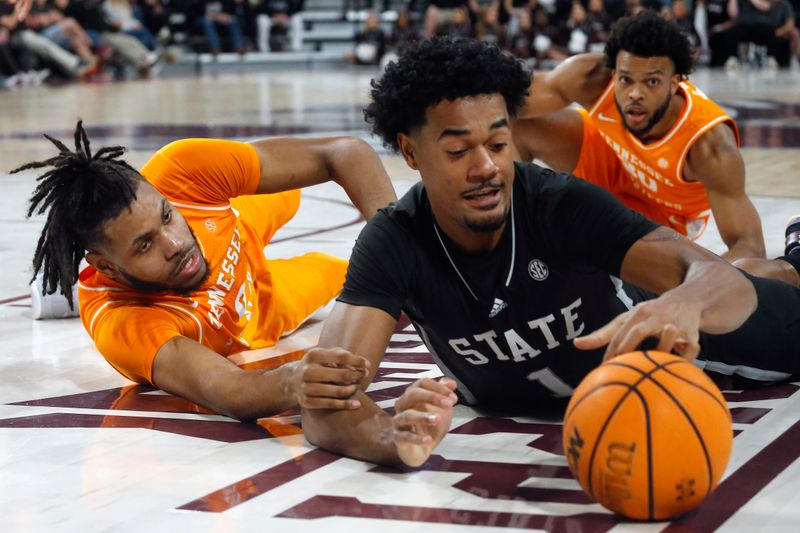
502	324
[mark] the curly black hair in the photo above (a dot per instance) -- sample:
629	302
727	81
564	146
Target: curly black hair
649	35
79	194
443	68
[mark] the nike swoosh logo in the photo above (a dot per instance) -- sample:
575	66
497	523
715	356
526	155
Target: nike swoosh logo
604	118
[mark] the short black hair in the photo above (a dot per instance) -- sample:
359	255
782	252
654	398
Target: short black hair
443	68
79	194
647	34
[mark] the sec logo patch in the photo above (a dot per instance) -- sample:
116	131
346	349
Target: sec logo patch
538	270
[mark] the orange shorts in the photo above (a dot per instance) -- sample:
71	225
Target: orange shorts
300	285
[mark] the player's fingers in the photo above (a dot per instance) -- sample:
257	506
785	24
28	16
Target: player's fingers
329	391
311	402
627	338
336	357
691	351
668	338
443	386
416	396
602	336
411	418
317	373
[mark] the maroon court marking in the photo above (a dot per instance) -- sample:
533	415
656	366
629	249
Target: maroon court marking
501	481
353	222
328	506
14	299
228	432
747	415
228	497
744	484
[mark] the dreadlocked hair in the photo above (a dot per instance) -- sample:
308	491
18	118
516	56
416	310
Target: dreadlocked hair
80	193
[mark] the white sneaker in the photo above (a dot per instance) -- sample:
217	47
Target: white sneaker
44	306
772	63
732	64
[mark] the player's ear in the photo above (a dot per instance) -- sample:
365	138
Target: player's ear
102	265
408	149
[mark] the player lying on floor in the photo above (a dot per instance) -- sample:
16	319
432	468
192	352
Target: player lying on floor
520	280
178	278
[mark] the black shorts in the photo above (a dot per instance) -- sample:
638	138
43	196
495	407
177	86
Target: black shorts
766	349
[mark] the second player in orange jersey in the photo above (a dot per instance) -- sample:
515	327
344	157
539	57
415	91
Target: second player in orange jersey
646	133
178	278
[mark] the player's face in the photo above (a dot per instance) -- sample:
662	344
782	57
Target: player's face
150	247
643	90
463	153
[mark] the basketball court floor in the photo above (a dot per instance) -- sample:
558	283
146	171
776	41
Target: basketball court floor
82	449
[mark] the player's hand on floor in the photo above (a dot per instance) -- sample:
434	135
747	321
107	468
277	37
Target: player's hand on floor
422	419
676	325
326	378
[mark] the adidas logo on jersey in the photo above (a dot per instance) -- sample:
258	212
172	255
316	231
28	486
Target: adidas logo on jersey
497	306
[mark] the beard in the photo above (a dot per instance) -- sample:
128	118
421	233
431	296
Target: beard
488	225
155	286
658	114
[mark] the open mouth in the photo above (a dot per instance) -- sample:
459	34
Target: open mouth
485	198
635	114
189	265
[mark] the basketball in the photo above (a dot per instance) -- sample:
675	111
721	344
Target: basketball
647	435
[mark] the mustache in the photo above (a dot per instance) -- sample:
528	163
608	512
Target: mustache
488	185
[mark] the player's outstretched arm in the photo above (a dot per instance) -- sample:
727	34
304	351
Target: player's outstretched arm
369	433
294	163
324	378
715	160
580	79
699	291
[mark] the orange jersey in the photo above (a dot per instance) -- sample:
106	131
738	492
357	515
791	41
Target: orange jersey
649	177
247	300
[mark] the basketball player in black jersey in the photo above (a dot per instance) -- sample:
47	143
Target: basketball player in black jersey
516	277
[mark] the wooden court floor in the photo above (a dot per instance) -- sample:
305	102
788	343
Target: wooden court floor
83	449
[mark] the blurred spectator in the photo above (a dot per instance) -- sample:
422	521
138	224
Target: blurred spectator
785	30
600	23
153	16
404	33
722	41
120	14
442	12
46	19
127	50
31	47
488	27
222	15
370	43
759	22
579	29
548	41
11	73
279	26
683	18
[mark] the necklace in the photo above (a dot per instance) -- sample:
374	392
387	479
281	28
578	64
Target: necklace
458	272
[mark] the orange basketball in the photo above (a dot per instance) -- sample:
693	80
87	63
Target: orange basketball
647	435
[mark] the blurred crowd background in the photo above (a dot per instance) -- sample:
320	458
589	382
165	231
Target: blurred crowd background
83	40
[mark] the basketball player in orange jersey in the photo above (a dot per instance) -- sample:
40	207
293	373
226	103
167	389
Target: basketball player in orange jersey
177	276
645	133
